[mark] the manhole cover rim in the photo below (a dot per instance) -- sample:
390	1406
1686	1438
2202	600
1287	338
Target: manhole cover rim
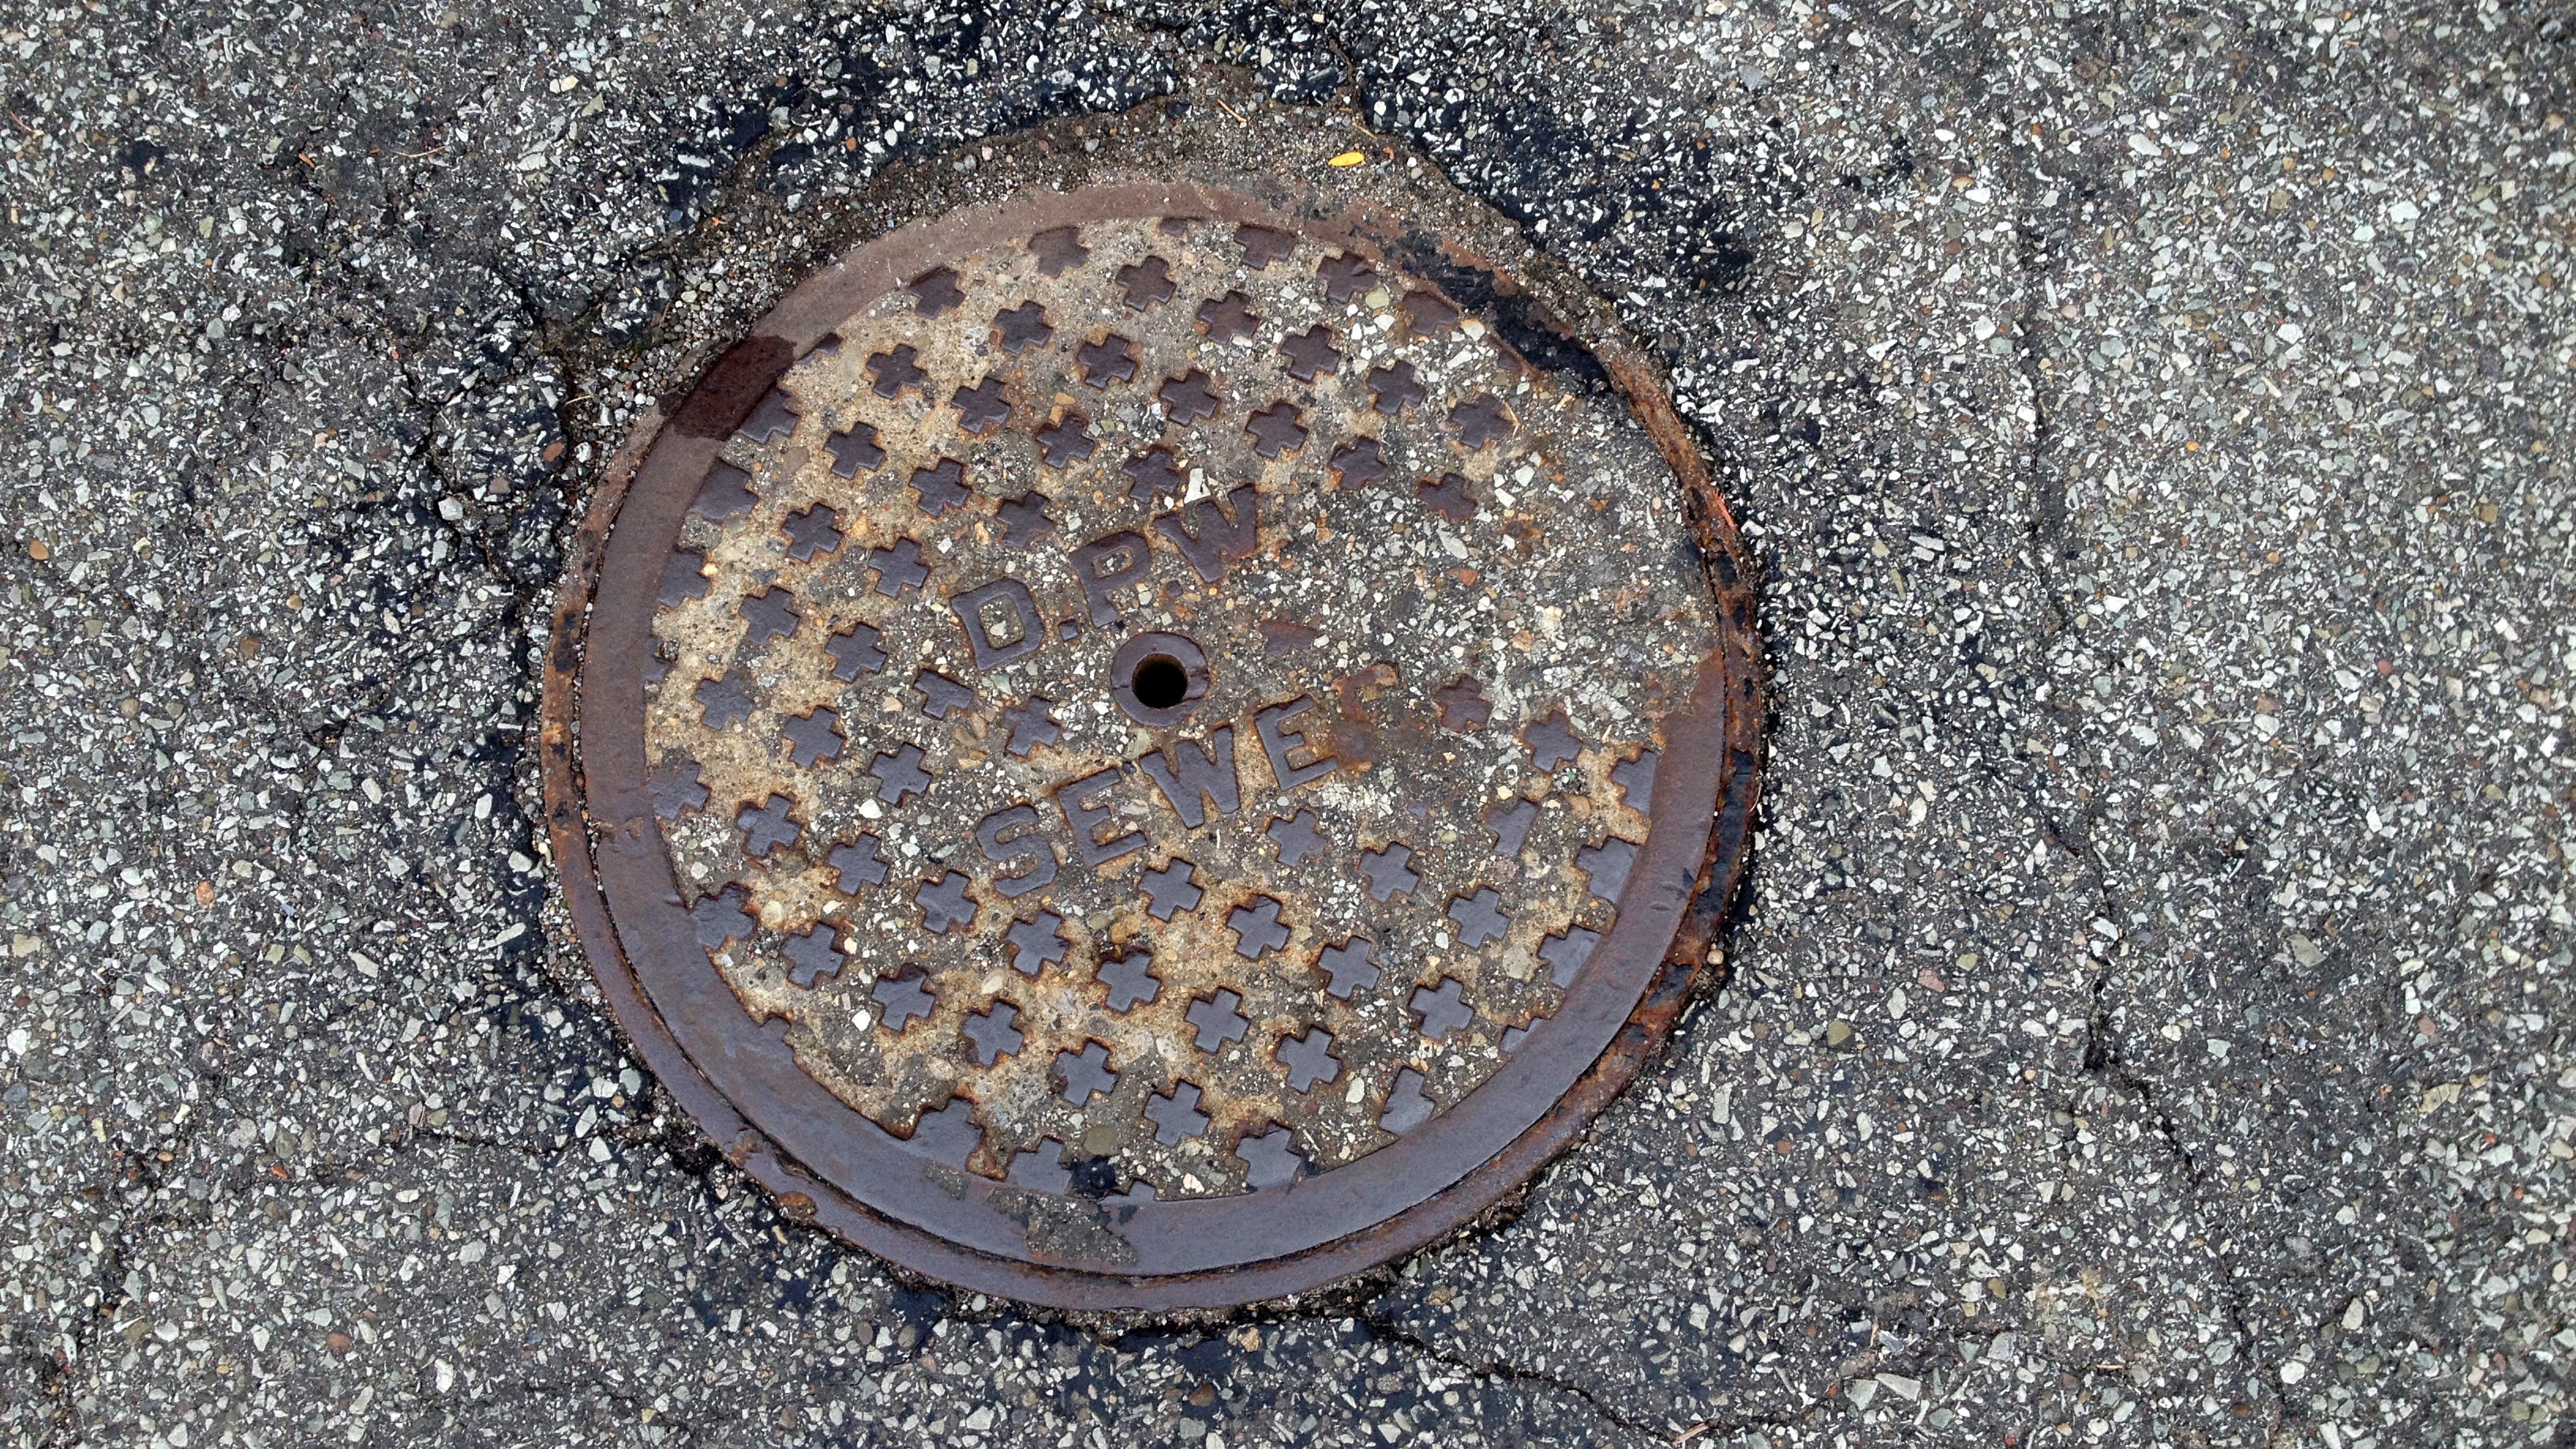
1647	992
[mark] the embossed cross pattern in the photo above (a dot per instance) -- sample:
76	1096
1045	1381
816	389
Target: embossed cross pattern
1124	721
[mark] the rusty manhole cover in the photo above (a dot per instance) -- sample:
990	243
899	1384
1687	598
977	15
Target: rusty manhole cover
1141	755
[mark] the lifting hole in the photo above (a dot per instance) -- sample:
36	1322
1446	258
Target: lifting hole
1159	681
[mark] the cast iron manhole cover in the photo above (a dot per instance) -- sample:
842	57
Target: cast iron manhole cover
1141	754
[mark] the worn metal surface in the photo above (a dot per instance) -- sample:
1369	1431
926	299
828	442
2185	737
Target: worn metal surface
1148	749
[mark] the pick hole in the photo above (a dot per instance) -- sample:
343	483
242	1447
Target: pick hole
1159	681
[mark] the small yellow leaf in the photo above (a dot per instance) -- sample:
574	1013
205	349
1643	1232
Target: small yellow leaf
1347	158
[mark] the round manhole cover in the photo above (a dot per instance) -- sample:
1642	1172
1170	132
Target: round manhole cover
1138	753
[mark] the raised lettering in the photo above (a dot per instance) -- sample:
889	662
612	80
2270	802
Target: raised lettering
1208	532
1276	745
1184	772
1108	564
1023	631
1075	801
1023	844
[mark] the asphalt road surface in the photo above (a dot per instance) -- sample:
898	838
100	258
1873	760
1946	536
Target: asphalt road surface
2144	1024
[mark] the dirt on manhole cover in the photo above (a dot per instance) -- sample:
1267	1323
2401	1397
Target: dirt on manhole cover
1141	754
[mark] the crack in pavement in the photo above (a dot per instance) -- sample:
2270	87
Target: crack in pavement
1380	1324
2038	254
2102	1055
472	1139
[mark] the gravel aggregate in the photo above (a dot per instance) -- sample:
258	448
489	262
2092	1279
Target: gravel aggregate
2143	1024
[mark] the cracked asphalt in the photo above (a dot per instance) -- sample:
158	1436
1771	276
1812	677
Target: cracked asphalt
2143	1024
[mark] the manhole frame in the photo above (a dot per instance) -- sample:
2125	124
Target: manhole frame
740	375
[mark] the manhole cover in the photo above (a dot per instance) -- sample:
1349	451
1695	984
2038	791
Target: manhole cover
1141	753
